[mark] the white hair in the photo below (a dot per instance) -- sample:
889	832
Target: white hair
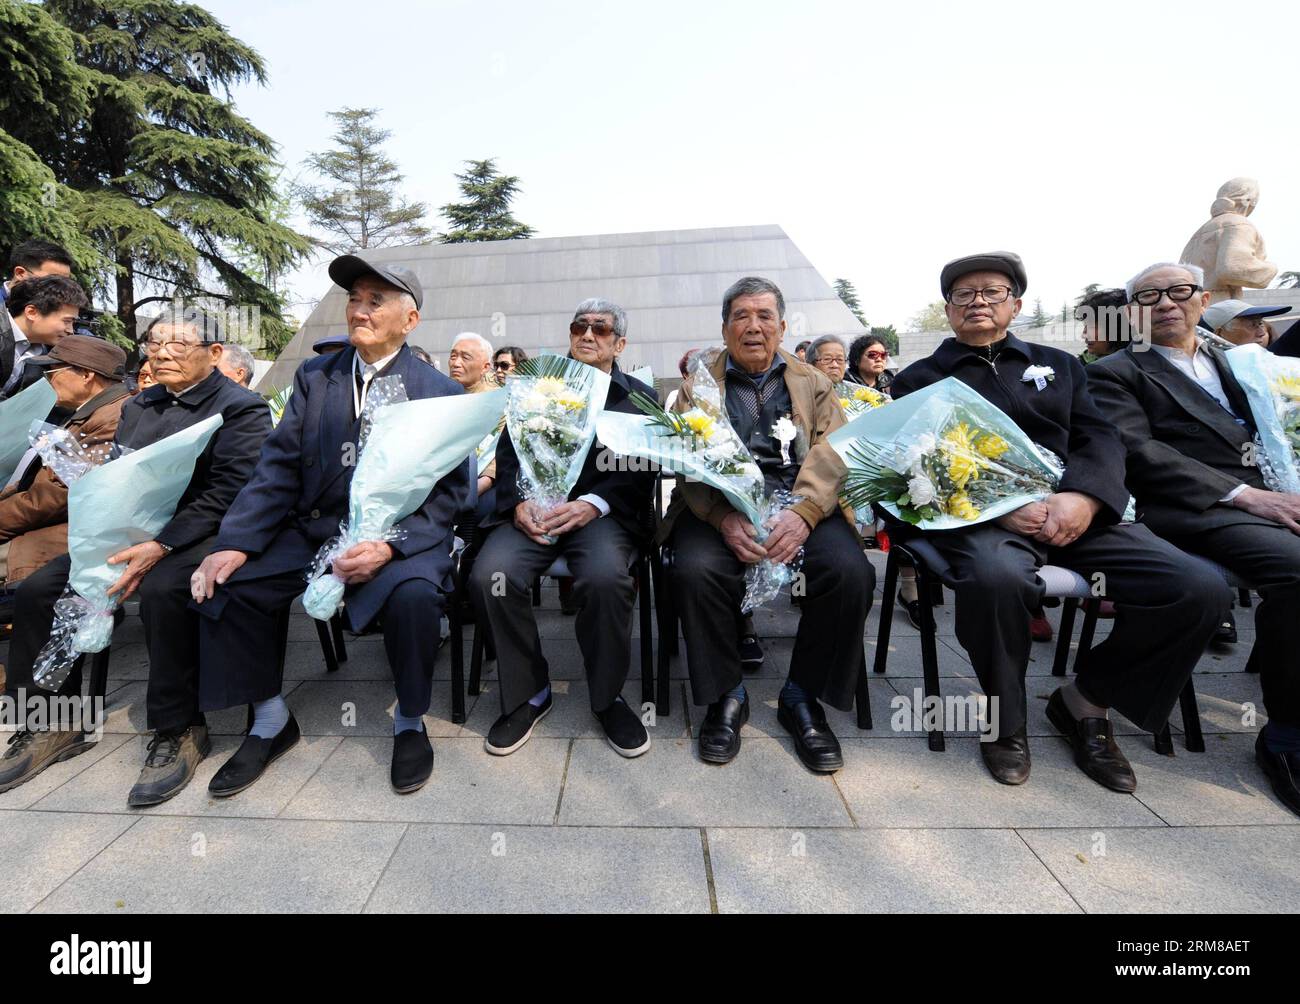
1195	271
476	338
240	358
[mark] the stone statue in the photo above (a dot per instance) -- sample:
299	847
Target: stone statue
1228	246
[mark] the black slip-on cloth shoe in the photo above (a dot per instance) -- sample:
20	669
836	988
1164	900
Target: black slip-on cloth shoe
511	731
251	760
623	730
412	760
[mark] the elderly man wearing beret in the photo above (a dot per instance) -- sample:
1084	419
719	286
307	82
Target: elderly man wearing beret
1168	604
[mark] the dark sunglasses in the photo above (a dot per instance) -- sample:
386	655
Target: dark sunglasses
502	366
877	355
599	329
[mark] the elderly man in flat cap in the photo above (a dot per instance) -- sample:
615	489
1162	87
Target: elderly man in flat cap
713	543
1192	463
294	503
184	345
1168	604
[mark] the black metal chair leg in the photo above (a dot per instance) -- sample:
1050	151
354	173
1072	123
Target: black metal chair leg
647	631
1064	636
1193	738
886	611
1163	742
863	698
1091	612
476	661
326	646
667	644
336	632
929	654
456	627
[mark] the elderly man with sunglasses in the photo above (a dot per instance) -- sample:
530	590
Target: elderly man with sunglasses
1168	604
184	348
597	532
1192	463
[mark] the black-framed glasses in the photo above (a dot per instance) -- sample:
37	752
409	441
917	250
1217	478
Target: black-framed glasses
964	296
600	329
1180	293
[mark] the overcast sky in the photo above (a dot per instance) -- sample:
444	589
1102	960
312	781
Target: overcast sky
885	139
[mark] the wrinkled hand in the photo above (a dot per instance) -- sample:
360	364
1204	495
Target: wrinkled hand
789	531
484	485
528	523
569	517
738	534
138	560
215	570
1069	514
1026	521
362	563
1280	507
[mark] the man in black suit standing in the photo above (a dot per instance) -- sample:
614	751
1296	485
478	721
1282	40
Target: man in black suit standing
183	349
597	531
29	260
1168	604
294	504
41	311
1192	464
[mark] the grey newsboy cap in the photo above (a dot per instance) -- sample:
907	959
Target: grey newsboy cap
1006	262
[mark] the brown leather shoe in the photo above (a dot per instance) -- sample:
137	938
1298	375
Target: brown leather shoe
169	766
1095	752
1007	758
28	753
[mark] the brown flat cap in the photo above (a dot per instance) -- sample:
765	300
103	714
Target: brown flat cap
87	353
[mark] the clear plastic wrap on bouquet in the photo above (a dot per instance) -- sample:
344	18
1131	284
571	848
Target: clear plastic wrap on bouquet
767	579
857	399
1272	386
553	405
408	447
65	457
113	507
16	416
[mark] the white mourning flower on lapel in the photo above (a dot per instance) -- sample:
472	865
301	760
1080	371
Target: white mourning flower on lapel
784	432
1039	375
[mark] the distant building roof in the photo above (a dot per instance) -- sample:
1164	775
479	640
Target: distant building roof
523	292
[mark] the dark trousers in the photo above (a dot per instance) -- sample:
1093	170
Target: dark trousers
599	556
242	650
1268	557
1168	605
708	583
170	633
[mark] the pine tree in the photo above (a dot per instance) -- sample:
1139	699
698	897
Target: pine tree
889	336
1039	318
932	318
360	207
172	182
485	214
845	291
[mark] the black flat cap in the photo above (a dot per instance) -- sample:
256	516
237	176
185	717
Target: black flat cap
348	268
1006	262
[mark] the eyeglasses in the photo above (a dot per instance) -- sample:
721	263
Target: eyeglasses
503	366
965	296
840	360
1180	293
174	347
877	355
600	329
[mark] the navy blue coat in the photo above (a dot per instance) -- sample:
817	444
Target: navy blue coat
299	492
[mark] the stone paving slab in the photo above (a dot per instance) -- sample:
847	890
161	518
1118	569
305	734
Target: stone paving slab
468	785
1222	869
670	786
900	783
483	869
358	708
44	851
203	865
105	786
880	871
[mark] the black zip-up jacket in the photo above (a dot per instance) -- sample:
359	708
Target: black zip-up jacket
1061	417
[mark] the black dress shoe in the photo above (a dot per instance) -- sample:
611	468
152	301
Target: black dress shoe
1007	758
1283	769
1095	752
913	608
251	759
412	760
720	732
1227	631
813	739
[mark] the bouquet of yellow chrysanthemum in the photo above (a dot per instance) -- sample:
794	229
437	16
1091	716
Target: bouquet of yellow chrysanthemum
856	399
942	458
1272	386
551	416
700	444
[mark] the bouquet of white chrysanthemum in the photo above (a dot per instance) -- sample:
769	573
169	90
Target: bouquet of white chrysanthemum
700	444
1272	386
551	415
857	399
942	458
